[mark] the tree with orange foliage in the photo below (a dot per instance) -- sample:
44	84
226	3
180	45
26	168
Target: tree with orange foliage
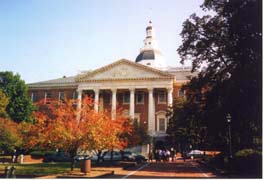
10	138
57	126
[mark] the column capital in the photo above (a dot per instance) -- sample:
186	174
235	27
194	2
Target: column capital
96	90
79	90
150	89
169	89
132	89
113	90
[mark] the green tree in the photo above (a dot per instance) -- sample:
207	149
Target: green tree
227	48
20	106
139	135
4	100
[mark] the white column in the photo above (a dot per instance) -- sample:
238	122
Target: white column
170	99
132	103
79	104
151	115
96	99
114	103
79	99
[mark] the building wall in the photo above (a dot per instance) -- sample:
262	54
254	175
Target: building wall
141	109
40	93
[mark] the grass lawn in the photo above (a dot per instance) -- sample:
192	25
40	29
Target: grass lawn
40	169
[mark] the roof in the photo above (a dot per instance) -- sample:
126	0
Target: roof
147	54
64	81
181	73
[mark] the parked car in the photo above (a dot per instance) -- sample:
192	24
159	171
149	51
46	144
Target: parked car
130	156
81	157
140	158
59	157
195	153
116	156
95	158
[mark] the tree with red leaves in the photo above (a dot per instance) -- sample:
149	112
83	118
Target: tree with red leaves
62	126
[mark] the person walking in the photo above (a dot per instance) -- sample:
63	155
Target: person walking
172	152
167	155
150	156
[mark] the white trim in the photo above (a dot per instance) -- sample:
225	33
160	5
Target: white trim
75	95
32	96
126	113
179	93
137	116
60	92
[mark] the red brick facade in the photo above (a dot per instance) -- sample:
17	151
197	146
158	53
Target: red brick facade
141	109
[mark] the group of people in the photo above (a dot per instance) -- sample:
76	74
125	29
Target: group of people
162	155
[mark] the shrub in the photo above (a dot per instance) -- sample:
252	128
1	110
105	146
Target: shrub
42	153
248	161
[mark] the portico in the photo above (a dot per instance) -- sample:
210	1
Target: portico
122	82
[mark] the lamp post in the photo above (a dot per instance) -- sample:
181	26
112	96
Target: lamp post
228	118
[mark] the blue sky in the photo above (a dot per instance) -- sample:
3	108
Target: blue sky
46	39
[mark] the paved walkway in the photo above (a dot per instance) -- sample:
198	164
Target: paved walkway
178	169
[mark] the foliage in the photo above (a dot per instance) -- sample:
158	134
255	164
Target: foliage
4	100
57	126
226	47
10	137
244	162
42	153
20	106
139	135
184	129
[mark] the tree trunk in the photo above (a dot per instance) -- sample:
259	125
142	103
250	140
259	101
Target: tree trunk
98	157
72	155
111	160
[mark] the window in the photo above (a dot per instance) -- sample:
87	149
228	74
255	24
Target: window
61	96
181	93
110	99
161	97
47	97
140	97
162	124
126	98
34	97
137	118
75	95
126	113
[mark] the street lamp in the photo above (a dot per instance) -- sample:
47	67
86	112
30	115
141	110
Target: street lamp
228	118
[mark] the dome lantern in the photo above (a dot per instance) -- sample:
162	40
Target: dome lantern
150	54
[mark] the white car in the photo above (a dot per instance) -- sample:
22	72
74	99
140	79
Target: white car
195	153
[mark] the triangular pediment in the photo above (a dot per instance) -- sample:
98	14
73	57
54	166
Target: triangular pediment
124	69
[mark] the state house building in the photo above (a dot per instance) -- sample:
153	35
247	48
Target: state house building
144	87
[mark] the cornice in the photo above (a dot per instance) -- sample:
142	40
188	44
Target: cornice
125	61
